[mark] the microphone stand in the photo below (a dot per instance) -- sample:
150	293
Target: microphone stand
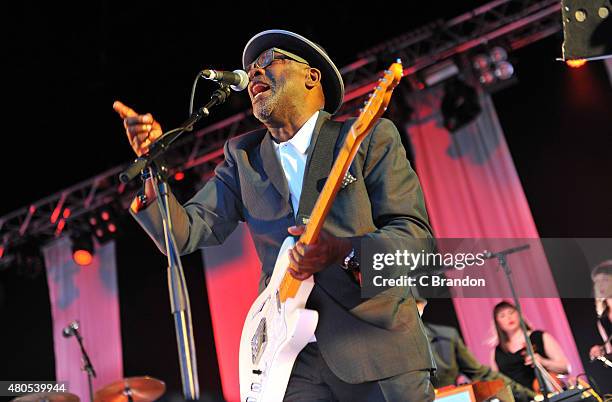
87	366
179	297
503	262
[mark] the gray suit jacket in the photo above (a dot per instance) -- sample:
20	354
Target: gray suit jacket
360	339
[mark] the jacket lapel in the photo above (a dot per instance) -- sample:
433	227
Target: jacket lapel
315	172
322	118
272	167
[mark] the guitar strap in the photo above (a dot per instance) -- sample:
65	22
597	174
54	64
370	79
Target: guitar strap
318	168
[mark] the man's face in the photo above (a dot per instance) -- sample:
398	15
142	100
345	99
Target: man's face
277	88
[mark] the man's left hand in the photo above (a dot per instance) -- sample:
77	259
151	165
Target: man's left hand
305	260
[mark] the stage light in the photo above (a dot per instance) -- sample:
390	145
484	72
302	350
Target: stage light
103	222
460	105
486	78
587	29
503	70
576	63
493	69
82	257
481	62
498	54
82	248
179	176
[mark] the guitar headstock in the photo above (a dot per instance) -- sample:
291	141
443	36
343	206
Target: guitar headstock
378	100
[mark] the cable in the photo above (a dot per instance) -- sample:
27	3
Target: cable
193	89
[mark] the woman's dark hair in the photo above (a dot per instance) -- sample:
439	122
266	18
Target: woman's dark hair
502	337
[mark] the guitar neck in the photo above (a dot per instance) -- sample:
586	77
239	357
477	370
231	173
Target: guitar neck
374	107
289	286
330	189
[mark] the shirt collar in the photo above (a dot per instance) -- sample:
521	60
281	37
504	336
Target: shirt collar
301	139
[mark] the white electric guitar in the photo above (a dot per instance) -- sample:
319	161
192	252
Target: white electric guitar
278	326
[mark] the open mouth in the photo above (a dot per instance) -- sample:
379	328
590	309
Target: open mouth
258	88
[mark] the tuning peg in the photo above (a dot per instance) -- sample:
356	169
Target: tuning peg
387	71
360	110
398	60
382	80
378	88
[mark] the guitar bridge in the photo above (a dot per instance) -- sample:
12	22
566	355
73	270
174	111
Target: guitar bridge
258	342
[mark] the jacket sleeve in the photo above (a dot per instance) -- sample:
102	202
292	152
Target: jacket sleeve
206	219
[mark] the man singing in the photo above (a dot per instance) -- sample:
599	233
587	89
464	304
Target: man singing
370	349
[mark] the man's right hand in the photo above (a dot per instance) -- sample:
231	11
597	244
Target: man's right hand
142	129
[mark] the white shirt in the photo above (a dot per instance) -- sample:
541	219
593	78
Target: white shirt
292	157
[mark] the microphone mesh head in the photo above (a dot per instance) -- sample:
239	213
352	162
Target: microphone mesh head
244	81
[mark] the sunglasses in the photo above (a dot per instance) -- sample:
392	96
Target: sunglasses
267	57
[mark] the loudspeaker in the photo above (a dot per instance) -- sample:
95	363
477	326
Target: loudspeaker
587	29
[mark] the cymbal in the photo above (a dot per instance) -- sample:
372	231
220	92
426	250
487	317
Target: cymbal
142	389
48	396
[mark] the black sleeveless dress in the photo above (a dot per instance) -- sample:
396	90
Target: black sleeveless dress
513	364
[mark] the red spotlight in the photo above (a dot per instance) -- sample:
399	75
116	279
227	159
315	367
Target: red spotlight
105	215
82	248
82	257
179	176
576	63
112	228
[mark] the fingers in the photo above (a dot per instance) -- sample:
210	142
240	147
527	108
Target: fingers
137	129
138	120
300	276
296	230
123	110
308	256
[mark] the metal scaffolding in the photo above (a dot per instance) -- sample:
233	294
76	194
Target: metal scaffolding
513	23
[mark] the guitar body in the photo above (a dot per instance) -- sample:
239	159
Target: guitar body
273	334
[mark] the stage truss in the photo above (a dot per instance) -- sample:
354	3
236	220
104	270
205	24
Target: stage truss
511	23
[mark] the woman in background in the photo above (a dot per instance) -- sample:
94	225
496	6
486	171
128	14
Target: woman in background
602	288
510	356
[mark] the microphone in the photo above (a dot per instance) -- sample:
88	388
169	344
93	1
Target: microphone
237	79
71	329
488	255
